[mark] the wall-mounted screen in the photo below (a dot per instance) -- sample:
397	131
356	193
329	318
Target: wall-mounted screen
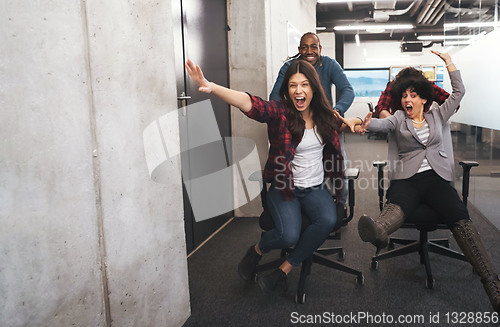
368	82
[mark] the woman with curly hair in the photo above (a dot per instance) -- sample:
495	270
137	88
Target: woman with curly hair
424	172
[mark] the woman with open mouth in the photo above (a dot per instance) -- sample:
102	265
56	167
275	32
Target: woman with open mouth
424	172
302	131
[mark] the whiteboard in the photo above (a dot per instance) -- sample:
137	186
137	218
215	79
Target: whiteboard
479	65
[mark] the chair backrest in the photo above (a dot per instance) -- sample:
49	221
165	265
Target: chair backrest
370	107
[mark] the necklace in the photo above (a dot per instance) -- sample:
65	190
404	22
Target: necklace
418	122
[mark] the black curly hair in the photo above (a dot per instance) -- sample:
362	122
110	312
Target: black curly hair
411	78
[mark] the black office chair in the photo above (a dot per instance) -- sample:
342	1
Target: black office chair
425	220
319	256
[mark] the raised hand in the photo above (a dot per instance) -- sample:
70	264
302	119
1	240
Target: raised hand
196	75
235	98
444	56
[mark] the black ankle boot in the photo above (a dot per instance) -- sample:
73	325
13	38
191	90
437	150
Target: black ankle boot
246	268
269	283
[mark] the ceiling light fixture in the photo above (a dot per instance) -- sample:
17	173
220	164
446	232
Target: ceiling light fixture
448	43
470	24
444	37
320	28
341	1
451	37
470	40
374	27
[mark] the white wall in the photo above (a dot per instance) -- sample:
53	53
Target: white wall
258	47
86	237
301	14
480	69
385	54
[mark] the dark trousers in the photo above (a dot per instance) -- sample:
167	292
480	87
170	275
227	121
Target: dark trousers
428	188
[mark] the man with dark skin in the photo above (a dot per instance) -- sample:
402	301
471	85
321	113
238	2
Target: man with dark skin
330	73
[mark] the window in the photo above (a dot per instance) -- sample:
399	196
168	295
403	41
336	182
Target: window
368	82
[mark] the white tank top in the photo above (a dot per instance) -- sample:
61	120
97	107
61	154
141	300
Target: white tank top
307	164
423	135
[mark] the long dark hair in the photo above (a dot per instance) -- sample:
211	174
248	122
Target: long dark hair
322	111
414	79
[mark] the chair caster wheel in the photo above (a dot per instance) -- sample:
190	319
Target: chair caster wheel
429	284
391	246
360	280
300	298
374	265
341	256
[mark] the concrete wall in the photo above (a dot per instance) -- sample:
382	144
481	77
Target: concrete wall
258	46
86	238
301	14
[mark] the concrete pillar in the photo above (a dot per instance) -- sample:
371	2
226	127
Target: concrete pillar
86	237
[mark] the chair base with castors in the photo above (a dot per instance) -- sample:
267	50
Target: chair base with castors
321	255
425	220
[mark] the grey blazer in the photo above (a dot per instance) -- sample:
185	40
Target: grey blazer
410	149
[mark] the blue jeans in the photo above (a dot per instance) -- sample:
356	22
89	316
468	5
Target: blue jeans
317	203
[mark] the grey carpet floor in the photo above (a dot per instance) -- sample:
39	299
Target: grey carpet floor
395	291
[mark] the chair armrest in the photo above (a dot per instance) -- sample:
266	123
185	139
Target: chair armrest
351	173
380	181
467	166
370	107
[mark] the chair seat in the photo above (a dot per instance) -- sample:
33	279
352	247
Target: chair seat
266	221
424	218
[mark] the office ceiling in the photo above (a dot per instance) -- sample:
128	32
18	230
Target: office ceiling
427	17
